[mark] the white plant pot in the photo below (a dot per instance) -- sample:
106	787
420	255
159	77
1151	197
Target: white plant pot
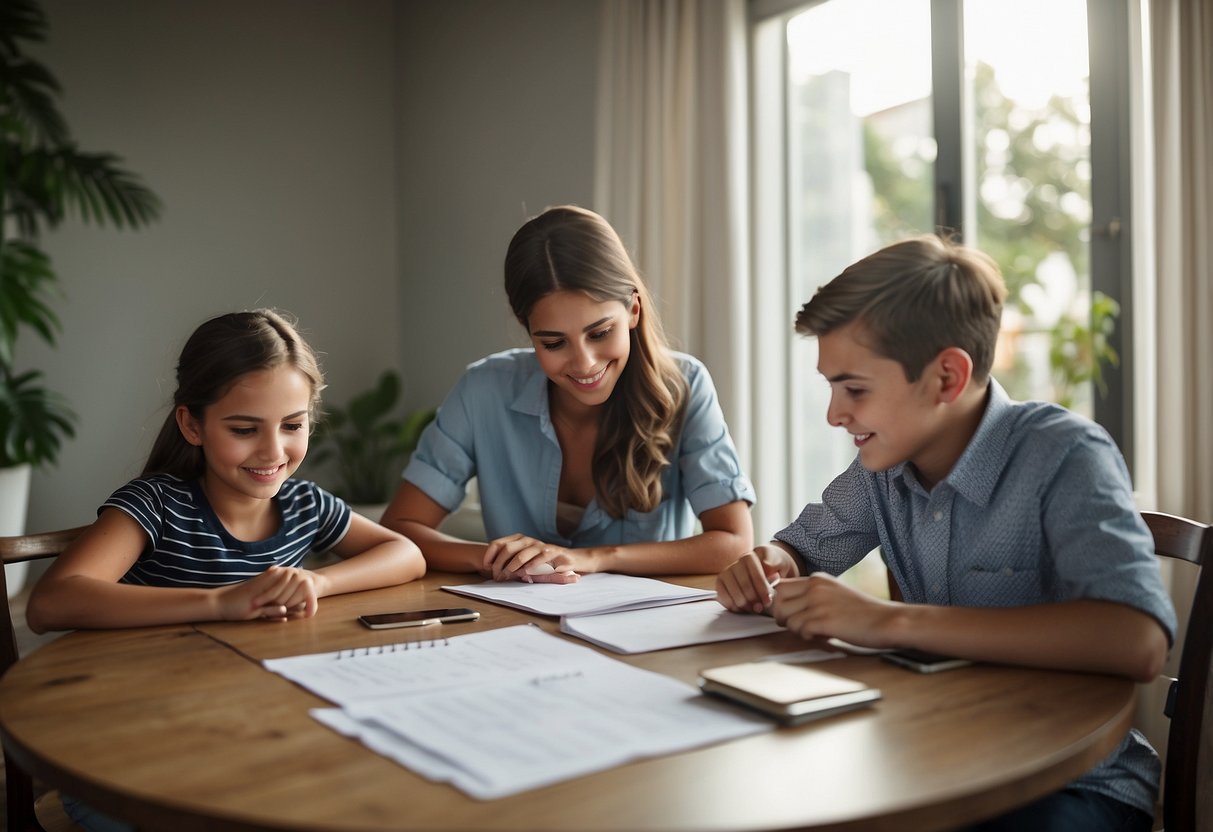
14	500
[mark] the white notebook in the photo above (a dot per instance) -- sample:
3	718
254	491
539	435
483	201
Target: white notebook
598	592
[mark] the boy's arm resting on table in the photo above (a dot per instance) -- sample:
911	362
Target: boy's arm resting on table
1078	635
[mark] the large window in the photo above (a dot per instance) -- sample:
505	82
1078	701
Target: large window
879	119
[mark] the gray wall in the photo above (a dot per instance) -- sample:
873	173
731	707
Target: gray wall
496	122
359	164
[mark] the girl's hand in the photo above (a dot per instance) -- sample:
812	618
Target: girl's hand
821	605
522	558
279	593
748	584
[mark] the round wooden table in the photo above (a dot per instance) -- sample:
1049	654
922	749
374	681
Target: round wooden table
182	728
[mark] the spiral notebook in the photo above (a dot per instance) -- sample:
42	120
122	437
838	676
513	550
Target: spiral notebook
502	711
408	667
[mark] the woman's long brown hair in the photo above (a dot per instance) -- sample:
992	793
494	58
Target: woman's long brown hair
572	249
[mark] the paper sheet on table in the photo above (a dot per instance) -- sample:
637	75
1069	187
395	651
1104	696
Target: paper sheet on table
659	628
490	741
595	593
422	665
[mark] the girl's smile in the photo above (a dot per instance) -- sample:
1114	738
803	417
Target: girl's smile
254	437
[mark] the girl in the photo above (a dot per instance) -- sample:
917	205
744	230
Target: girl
215	528
594	449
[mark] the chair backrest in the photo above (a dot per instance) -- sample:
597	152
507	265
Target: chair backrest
19	787
1192	693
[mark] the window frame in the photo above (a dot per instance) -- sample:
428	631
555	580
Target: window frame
1111	241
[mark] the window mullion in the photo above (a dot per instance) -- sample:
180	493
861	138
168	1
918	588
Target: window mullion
948	105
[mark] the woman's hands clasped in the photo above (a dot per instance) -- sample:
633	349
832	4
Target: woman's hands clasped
518	557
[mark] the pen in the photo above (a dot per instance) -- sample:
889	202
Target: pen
771	584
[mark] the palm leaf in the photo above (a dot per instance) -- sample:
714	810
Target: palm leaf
27	102
20	20
48	183
26	280
33	421
44	178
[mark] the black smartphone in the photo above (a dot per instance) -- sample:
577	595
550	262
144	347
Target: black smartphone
922	661
417	618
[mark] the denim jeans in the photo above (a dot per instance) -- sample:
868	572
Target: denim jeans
86	817
1070	810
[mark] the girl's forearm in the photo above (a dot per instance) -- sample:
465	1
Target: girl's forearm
79	602
387	564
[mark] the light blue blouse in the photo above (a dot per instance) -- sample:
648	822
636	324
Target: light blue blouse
1038	509
495	425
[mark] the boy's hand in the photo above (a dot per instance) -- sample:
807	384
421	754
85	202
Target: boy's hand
517	557
821	605
748	584
279	593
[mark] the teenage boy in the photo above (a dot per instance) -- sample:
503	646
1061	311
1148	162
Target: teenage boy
1009	527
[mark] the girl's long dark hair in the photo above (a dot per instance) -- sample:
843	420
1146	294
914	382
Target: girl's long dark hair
570	248
216	355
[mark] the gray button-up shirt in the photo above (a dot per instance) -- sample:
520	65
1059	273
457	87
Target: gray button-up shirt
1039	508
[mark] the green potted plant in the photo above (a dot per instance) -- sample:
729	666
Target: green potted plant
368	445
44	178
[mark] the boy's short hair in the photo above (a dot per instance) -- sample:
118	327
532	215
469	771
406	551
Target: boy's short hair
914	299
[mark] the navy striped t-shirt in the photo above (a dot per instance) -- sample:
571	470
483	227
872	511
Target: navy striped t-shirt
188	546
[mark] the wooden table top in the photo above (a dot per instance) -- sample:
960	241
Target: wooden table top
181	728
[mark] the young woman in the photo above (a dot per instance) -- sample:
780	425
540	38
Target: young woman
215	527
596	449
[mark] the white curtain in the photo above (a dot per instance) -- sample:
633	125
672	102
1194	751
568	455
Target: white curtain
671	162
1181	45
1182	49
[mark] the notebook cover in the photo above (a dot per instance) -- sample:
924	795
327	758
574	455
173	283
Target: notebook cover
788	692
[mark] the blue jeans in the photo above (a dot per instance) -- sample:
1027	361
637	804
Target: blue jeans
1070	810
86	817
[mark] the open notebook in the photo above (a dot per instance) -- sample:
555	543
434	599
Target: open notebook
625	613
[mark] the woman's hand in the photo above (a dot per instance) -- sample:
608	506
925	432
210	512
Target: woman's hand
748	584
517	557
279	593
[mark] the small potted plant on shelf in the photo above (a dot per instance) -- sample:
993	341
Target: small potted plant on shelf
367	445
44	178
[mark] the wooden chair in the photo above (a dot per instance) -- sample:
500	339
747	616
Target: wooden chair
1191	695
23	813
